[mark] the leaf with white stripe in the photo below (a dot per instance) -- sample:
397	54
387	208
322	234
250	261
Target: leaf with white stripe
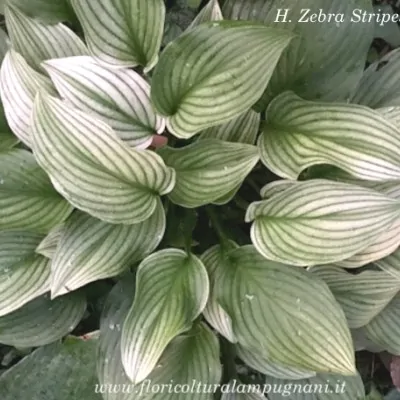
391	264
299	134
362	296
27	199
91	166
211	74
208	170
210	12
290	314
275	187
235	395
19	84
123	33
257	361
48	246
242	129
119	97
172	289
320	222
24	275
42	321
90	249
392	113
38	42
380	84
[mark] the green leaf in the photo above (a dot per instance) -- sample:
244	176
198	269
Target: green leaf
171	291
232	395
120	97
90	249
54	372
19	84
7	141
27	198
299	134
362	296
211	12
288	313
391	264
388	31
92	168
321	62
242	129
379	86
208	170
38	42
288	227
42	321
123	33
4	44
48	246
210	74
24	275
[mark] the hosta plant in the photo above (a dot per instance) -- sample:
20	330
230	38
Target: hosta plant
188	199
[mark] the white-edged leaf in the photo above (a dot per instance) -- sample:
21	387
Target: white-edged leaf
213	312
208	170
254	359
28	201
123	33
38	42
290	315
230	394
320	62
320	222
119	97
42	321
242	129
19	84
7	141
48	246
90	249
210	12
172	289
379	86
299	134
210	74
362	296
24	275
92	168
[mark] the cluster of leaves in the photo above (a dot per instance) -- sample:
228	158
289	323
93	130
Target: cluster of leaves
283	109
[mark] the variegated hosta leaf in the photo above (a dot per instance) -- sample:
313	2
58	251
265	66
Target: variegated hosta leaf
211	12
123	33
392	113
289	314
90	249
120	97
275	187
42	321
208	170
320	222
19	84
7	141
171	291
236	395
362	296
299	134
92	168
259	362
379	86
214	313
27	199
48	246
320	387
24	275
210	74
38	42
242	129
391	264
320	61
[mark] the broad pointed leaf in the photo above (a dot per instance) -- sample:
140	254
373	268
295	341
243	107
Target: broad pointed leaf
275	187
211	12
171	291
48	246
27	198
320	222
90	249
93	169
210	74
290	315
299	134
391	264
38	42
24	275
119	97
42	321
123	33
208	170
